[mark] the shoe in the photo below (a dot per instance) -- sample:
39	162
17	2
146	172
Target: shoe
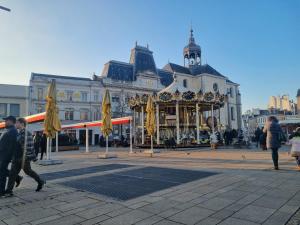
276	168
40	186
8	194
18	181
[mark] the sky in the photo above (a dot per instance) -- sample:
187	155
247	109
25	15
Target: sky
254	43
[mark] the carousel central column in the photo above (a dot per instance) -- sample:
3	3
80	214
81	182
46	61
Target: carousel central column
143	130
157	124
197	123
177	123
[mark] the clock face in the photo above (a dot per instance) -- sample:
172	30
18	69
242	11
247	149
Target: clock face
215	87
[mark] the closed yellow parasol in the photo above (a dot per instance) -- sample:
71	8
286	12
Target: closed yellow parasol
52	123
106	115
150	120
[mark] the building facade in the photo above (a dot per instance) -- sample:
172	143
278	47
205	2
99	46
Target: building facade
13	100
79	99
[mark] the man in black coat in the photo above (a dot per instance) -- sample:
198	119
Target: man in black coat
8	146
23	157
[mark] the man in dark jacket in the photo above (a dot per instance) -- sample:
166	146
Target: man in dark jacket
257	134
8	146
274	133
23	157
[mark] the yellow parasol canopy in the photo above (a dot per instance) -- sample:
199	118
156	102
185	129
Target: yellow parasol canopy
52	123
150	119
106	115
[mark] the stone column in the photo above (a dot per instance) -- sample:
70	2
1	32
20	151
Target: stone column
197	123
177	123
143	128
157	125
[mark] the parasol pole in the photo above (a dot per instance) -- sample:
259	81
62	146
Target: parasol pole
106	150
56	141
48	156
86	139
130	136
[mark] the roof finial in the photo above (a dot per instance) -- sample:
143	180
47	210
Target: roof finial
147	46
135	43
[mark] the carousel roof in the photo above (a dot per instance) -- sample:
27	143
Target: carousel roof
175	86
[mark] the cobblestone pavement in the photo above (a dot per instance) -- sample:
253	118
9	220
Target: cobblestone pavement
242	190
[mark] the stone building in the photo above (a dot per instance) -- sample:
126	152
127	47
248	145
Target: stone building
79	99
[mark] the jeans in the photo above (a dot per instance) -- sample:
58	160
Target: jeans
3	174
15	170
275	156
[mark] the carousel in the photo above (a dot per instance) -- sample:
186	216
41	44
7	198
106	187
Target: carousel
183	118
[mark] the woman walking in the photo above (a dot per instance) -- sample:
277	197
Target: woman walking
274	133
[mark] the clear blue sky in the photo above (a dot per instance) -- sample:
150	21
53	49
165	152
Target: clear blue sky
254	43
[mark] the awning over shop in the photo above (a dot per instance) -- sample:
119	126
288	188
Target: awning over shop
30	119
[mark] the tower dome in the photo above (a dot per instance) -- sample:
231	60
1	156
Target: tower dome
192	52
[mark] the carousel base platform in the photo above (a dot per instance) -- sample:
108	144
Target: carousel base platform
176	147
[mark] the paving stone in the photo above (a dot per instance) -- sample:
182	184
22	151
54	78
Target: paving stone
185	197
138	205
233	195
119	212
290	209
222	214
95	220
269	202
235	207
234	221
278	218
254	213
191	215
76	204
104	209
159	206
249	199
128	218
167	222
149	221
46	219
67	220
34	215
209	221
169	212
216	203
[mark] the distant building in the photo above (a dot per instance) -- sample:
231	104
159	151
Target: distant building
298	101
281	103
13	100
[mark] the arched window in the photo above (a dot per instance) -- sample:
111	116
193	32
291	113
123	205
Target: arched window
185	83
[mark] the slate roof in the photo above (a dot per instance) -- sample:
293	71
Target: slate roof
118	71
33	75
195	70
166	77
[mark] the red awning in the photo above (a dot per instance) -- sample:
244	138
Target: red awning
30	119
117	121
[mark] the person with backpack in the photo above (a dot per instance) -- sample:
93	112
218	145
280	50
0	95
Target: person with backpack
295	150
22	159
273	141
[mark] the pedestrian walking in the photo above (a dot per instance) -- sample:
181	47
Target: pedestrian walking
227	136
23	157
274	133
263	140
295	150
8	147
258	132
37	143
43	146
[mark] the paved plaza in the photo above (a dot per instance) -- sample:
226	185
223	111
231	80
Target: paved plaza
226	187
